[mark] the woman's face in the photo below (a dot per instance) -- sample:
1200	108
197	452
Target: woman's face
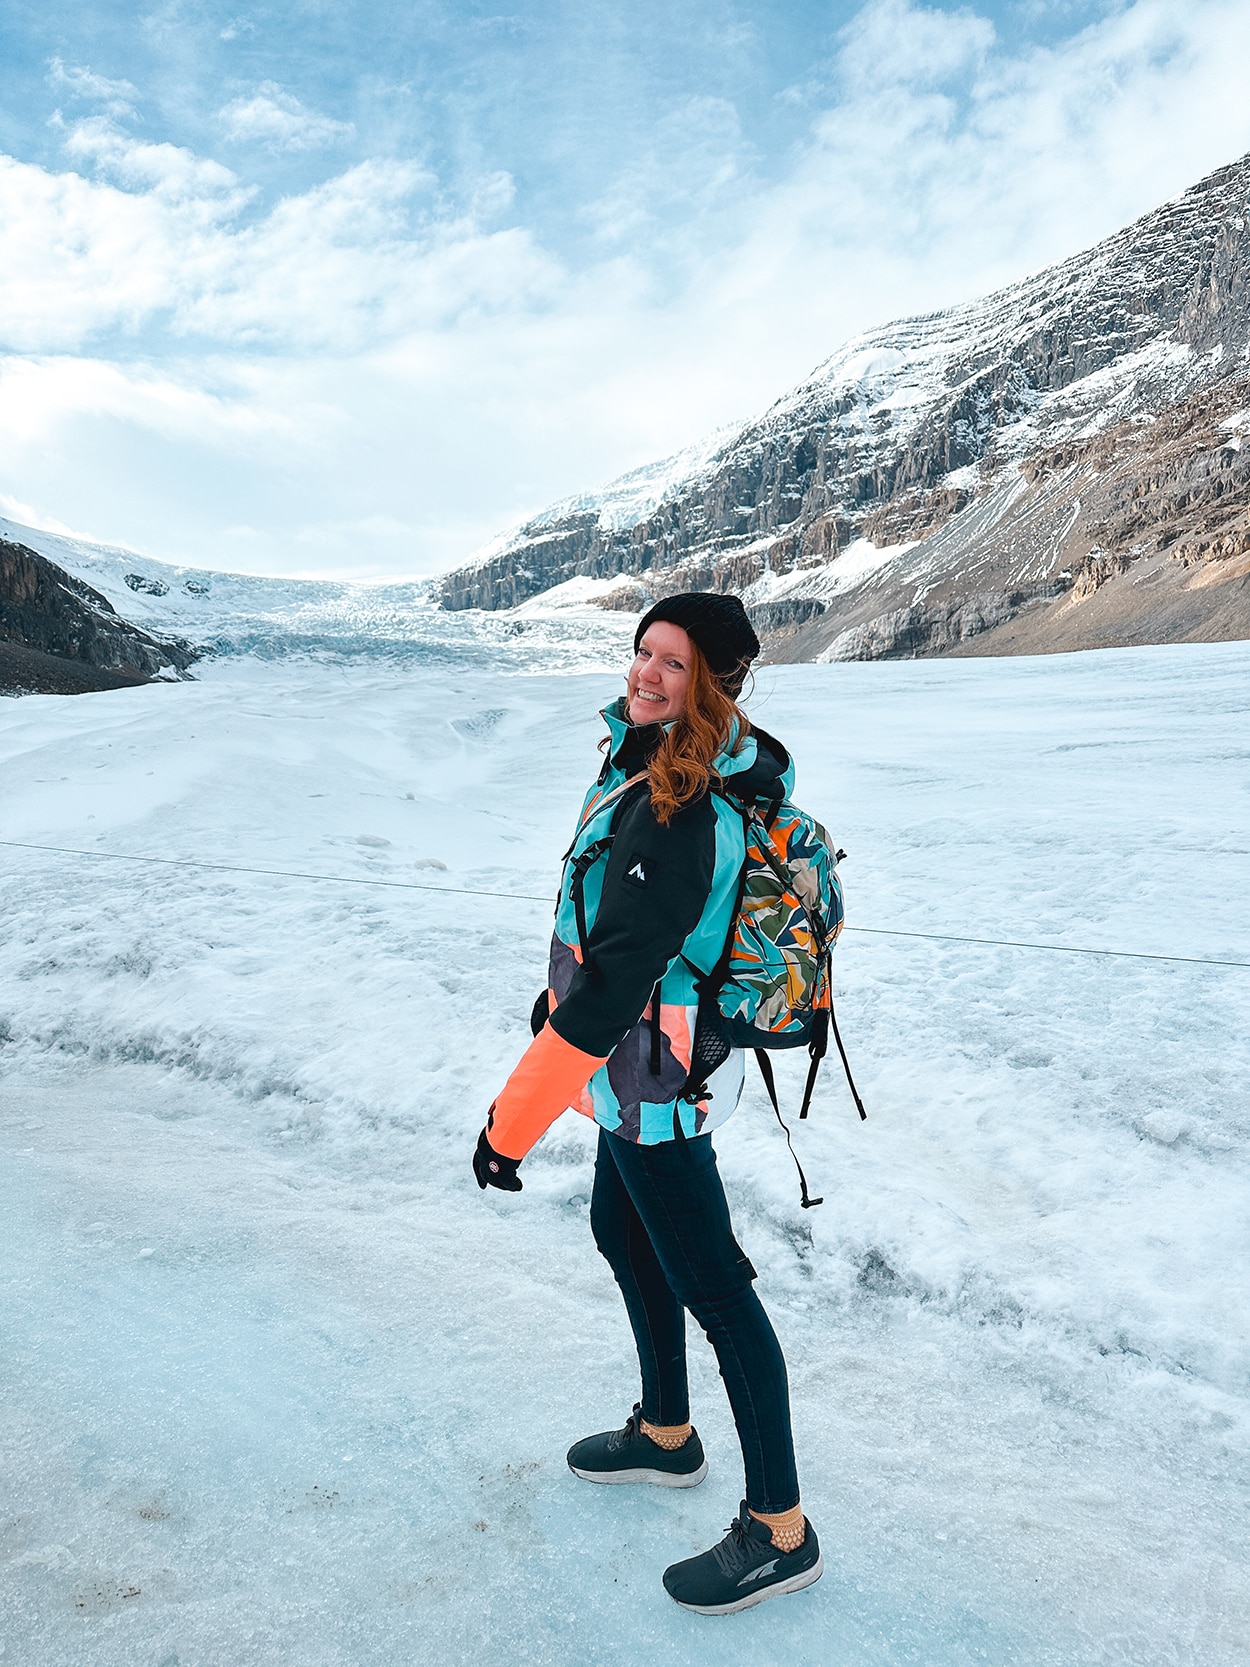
660	674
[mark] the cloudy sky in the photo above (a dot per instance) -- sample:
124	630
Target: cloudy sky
346	286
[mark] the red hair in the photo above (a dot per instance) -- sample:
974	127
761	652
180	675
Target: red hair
682	768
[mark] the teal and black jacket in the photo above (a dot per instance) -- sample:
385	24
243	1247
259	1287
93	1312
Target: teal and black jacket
655	902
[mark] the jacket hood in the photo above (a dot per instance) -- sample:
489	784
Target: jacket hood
770	775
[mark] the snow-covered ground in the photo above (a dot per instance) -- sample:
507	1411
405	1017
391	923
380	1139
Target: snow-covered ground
281	1388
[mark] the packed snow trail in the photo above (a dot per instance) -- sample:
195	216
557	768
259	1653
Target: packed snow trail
323	1421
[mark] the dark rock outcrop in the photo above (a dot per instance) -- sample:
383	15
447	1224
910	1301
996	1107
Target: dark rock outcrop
61	636
149	587
1031	449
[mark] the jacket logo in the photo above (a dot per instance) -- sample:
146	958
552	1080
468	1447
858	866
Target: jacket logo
637	873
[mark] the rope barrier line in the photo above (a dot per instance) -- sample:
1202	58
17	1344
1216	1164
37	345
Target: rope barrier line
1057	948
533	897
276	873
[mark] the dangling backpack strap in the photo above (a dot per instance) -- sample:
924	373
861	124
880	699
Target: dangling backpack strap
817	1048
846	1066
822	1023
766	1071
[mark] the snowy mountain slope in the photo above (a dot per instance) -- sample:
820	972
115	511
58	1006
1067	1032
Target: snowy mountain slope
922	428
63	636
281	1386
626	500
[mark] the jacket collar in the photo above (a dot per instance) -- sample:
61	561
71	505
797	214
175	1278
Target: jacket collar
627	737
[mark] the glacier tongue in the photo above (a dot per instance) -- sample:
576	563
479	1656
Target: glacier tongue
226	614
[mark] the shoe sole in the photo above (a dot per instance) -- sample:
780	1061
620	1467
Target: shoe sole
795	1583
661	1478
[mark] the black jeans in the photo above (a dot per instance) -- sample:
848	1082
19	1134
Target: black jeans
660	1217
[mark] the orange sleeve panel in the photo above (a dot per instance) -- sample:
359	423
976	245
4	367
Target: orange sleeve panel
546	1080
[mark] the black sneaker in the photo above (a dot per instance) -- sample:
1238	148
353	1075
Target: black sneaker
744	1569
630	1456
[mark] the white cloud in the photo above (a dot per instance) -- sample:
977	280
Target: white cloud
343	266
78	82
276	119
38	394
492	196
892	42
28	515
347	266
84	257
696	164
169	173
941	165
361	375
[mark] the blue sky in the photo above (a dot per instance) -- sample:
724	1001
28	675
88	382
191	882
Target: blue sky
347	288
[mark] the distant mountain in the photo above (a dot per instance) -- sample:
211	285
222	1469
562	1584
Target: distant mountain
58	635
77	616
1065	464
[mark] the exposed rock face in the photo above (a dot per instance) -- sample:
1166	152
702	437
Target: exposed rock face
1140	533
1031	451
62	636
150	587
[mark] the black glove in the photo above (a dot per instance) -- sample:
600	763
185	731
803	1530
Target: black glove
493	1170
541	1012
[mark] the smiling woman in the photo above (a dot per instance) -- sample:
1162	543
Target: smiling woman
689	690
621	1035
660	674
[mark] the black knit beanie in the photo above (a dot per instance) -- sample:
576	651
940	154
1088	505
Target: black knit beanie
717	625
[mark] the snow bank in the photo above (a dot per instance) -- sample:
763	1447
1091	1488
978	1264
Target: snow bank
284	1387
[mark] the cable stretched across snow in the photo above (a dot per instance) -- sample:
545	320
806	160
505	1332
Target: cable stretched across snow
534	897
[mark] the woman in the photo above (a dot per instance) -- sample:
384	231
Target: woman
648	896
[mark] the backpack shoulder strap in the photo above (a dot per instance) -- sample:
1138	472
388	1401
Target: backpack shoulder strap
605	799
590	856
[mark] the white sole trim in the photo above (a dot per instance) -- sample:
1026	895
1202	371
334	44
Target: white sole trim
795	1583
661	1478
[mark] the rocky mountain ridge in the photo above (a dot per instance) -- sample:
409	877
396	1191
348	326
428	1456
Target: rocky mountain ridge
1062	464
60	636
